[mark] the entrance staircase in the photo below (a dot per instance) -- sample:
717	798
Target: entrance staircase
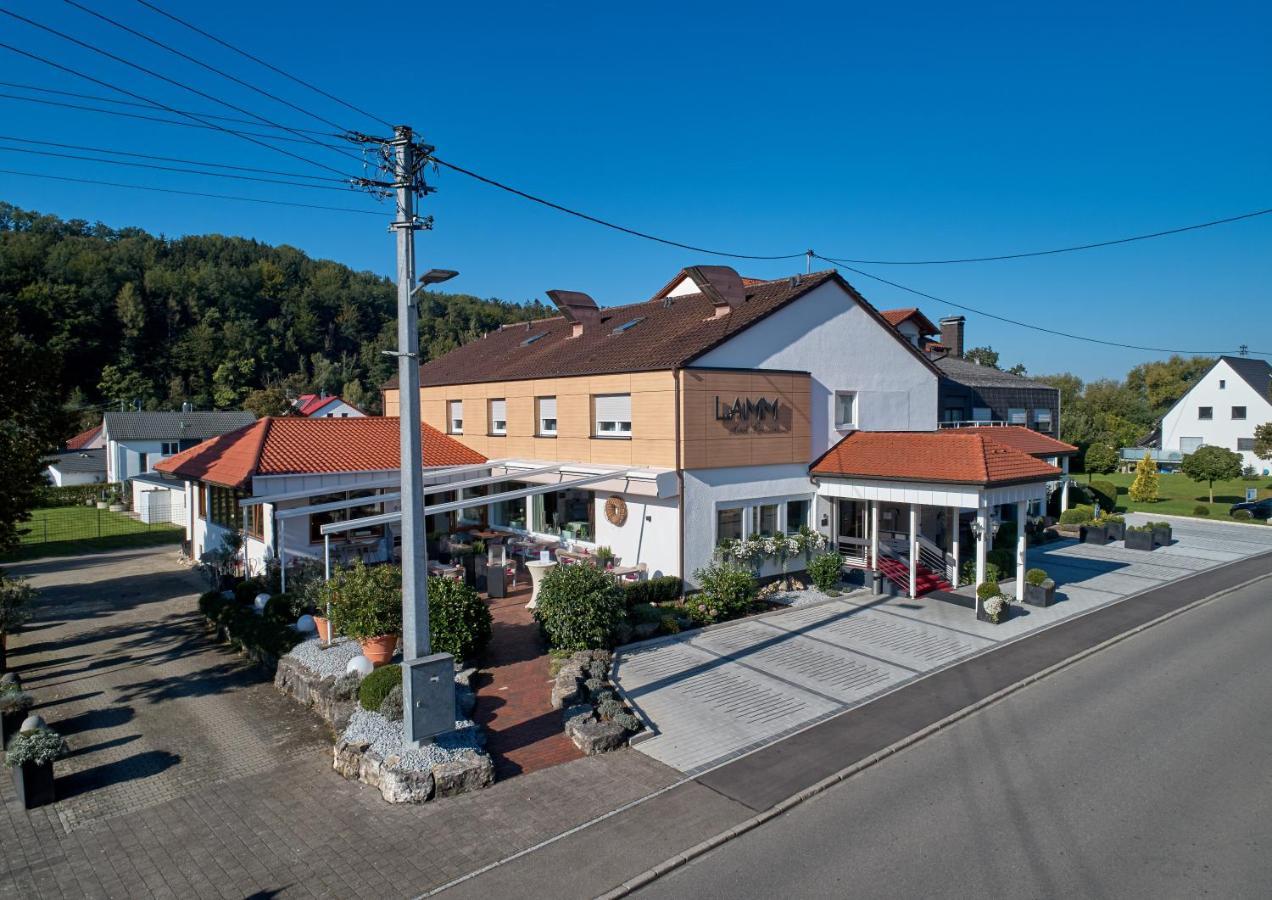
894	567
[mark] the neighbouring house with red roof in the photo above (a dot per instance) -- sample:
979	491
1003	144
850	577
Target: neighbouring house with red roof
90	439
725	407
324	406
280	479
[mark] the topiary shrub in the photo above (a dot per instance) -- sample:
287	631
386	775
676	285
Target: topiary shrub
1077	515
1243	514
1036	577
726	593
988	589
391	708
824	569
579	607
245	591
662	589
1106	493
458	619
376	686
282	608
1201	510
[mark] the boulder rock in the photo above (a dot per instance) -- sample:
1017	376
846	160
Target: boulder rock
334	697
470	772
567	689
594	737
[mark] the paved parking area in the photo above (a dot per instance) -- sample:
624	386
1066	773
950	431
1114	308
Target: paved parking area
717	694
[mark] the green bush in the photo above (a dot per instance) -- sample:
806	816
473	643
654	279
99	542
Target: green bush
988	589
1243	514
366	601
245	591
13	699
726	592
824	569
458	619
1201	509
376	686
210	603
579	607
49	496
1036	577
16	597
391	708
1106	493
662	589
40	746
245	629
967	572
1077	515
1003	561
283	608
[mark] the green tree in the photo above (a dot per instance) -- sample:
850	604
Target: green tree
1162	382
1100	459
1210	464
985	356
1263	441
270	400
1144	487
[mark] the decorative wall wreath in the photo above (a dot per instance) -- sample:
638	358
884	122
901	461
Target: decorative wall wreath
616	511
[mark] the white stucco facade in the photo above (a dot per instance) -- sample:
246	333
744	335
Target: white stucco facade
1206	415
830	335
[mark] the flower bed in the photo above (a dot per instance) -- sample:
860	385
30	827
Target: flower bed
594	715
259	636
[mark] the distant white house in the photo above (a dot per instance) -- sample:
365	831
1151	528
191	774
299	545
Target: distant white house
77	467
1222	410
323	406
135	441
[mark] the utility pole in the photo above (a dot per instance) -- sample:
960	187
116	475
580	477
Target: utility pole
428	682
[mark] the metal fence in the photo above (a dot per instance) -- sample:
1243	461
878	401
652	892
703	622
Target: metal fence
75	524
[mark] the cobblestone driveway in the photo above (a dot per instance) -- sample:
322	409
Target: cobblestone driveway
190	776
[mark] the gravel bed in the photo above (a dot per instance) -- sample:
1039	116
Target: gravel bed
385	738
810	596
325	662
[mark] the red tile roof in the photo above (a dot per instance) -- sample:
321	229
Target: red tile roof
932	456
293	445
84	438
1024	439
895	317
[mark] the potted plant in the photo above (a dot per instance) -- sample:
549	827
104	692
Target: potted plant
366	605
1094	534
1039	589
605	557
15	705
1161	533
991	605
16	597
30	756
1115	526
1139	537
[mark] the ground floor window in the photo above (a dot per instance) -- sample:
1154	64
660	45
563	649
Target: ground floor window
796	515
509	513
223	507
729	524
569	513
766	518
319	519
254	523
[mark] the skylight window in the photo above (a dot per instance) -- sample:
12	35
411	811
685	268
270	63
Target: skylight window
626	325
534	337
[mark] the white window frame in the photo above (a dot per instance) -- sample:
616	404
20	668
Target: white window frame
541	426
751	513
169	448
454	425
611	428
851	424
497	425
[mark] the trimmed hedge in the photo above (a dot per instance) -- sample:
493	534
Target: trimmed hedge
1106	493
580	607
1077	515
376	686
48	496
459	622
662	589
244	629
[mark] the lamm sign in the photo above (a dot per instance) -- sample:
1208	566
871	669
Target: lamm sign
762	414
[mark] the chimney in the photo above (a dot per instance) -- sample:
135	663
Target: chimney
952	335
721	284
578	308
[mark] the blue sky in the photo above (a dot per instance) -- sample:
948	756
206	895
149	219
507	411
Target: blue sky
912	131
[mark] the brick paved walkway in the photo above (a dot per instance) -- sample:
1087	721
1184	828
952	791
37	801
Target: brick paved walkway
192	777
514	692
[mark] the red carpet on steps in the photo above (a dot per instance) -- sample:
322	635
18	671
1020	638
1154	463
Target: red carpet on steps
925	580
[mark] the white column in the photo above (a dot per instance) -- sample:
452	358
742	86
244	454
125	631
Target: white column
914	549
1064	485
326	557
982	544
281	526
953	527
1022	511
874	534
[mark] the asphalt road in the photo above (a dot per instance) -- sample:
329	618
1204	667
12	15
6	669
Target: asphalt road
1142	771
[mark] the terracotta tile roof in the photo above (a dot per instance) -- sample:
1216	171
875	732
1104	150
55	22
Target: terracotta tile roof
293	445
84	438
895	317
1024	439
668	335
932	456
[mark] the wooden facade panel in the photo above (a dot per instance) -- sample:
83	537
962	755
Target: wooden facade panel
654	452
745	418
612	452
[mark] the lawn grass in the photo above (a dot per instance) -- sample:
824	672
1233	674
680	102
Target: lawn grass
70	530
1180	494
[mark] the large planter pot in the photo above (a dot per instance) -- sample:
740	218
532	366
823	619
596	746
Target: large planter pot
1040	594
1161	535
1094	534
34	784
1116	530
323	624
982	616
379	649
1139	540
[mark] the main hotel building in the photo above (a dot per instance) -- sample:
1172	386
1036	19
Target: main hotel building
723	407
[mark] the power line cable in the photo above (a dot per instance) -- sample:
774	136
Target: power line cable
176	159
198	62
160	120
100	99
147	187
262	62
137	96
1029	325
603	222
142	165
1053	251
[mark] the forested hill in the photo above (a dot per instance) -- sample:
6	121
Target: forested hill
120	314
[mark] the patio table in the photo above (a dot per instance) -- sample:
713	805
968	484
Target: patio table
538	568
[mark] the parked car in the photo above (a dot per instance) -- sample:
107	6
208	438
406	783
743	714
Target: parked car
1259	509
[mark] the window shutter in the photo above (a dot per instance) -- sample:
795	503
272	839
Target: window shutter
547	408
614	408
499	410
456	413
